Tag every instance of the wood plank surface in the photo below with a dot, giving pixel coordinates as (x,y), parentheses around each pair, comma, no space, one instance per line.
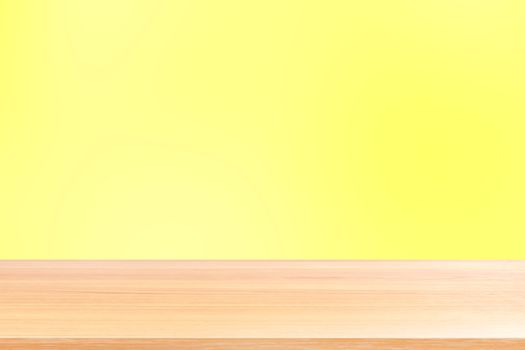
(262,344)
(279,304)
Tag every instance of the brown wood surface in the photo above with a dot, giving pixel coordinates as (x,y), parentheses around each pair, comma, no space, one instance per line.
(276,304)
(262,344)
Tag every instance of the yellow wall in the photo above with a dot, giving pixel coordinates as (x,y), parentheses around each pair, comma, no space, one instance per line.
(334,129)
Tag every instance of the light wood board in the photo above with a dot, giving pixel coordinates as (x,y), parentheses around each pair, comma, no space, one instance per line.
(275,304)
(262,344)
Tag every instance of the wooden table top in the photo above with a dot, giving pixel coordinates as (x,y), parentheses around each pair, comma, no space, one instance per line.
(328,304)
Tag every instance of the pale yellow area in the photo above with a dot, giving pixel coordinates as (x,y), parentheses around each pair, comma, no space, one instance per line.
(291,129)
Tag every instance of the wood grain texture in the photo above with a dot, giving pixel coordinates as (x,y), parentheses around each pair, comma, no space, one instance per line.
(286,304)
(262,344)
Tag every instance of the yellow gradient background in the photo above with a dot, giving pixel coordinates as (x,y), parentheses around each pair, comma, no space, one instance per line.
(276,129)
